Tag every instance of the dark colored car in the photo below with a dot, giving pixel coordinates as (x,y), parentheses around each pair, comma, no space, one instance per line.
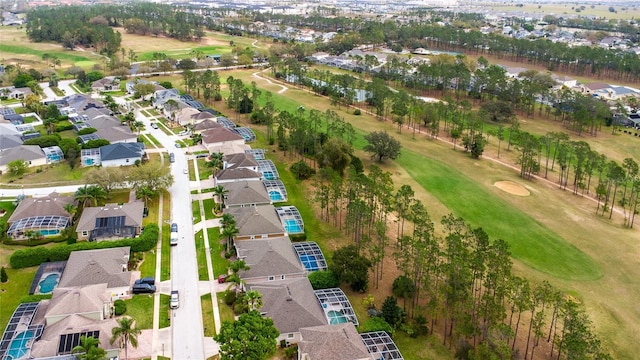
(172,158)
(174,227)
(146,280)
(142,288)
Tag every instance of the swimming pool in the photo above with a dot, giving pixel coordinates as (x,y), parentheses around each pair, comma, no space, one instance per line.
(275,195)
(309,262)
(336,317)
(18,347)
(292,226)
(49,283)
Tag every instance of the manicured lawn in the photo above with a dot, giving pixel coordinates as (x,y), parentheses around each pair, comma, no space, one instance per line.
(531,242)
(204,171)
(62,174)
(195,210)
(13,290)
(207,316)
(220,264)
(148,266)
(226,313)
(165,272)
(201,254)
(119,197)
(140,308)
(165,319)
(208,208)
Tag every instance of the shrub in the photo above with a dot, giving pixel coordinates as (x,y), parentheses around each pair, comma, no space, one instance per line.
(375,324)
(229,297)
(86,131)
(3,275)
(34,298)
(63,127)
(357,112)
(323,280)
(37,255)
(301,170)
(291,352)
(119,307)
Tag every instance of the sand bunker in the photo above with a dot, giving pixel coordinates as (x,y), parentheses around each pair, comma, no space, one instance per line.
(512,188)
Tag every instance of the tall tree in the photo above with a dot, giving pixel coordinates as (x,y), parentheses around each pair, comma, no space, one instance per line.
(126,333)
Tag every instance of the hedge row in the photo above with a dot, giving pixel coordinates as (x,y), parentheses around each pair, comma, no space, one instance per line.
(36,256)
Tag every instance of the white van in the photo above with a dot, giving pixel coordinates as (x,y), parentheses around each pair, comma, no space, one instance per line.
(174,238)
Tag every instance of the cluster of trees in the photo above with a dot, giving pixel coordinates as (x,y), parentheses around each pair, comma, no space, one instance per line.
(459,281)
(147,180)
(72,26)
(241,98)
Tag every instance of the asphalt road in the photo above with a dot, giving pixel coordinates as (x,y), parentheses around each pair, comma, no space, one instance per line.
(187,320)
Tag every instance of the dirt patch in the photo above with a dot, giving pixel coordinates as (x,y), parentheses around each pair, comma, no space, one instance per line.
(512,188)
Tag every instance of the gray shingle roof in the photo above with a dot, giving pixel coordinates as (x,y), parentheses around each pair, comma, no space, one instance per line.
(217,135)
(121,151)
(240,160)
(256,220)
(246,192)
(52,205)
(102,266)
(333,342)
(131,211)
(21,152)
(268,257)
(237,174)
(291,304)
(206,124)
(77,300)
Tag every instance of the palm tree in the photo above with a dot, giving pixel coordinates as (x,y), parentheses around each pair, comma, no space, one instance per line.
(71,208)
(82,195)
(219,192)
(89,349)
(145,193)
(253,300)
(234,278)
(230,231)
(126,333)
(97,194)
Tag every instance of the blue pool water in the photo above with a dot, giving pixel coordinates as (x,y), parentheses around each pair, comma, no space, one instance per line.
(310,263)
(275,195)
(18,347)
(269,175)
(49,283)
(49,232)
(292,227)
(336,317)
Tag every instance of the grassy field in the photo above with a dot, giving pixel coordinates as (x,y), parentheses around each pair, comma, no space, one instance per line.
(207,316)
(219,263)
(165,271)
(138,308)
(13,290)
(201,254)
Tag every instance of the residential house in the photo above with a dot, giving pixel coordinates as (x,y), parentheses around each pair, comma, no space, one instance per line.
(46,215)
(13,92)
(100,266)
(71,313)
(31,154)
(223,140)
(235,174)
(172,107)
(205,125)
(121,154)
(130,85)
(240,160)
(108,83)
(110,222)
(191,116)
(269,260)
(110,128)
(332,342)
(256,222)
(245,193)
(292,305)
(565,81)
(83,102)
(10,137)
(592,88)
(161,96)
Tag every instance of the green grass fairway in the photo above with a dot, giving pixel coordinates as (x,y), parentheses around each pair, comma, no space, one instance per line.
(30,51)
(531,242)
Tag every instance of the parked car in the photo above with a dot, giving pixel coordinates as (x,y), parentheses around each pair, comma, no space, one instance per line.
(142,288)
(174,303)
(174,227)
(222,279)
(154,125)
(185,171)
(172,158)
(146,280)
(178,145)
(173,239)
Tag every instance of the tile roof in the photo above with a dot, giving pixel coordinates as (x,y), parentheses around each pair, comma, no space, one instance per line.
(131,211)
(333,342)
(291,304)
(246,192)
(268,257)
(256,220)
(108,266)
(52,204)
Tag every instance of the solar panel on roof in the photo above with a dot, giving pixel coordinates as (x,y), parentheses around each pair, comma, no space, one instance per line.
(110,222)
(7,111)
(70,341)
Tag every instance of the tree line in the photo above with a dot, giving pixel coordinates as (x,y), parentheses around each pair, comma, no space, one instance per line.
(458,282)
